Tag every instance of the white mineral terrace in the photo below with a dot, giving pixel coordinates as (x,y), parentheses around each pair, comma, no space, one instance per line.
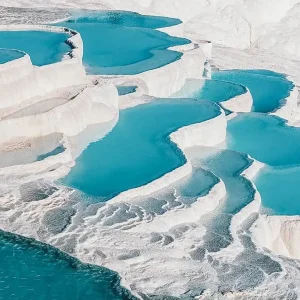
(59,102)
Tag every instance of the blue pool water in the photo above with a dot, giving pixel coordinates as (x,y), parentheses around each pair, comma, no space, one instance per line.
(266,138)
(279,189)
(113,48)
(7,55)
(125,90)
(219,91)
(138,149)
(43,47)
(212,90)
(31,270)
(126,19)
(268,89)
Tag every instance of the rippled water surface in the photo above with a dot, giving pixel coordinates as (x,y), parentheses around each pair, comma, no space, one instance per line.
(31,270)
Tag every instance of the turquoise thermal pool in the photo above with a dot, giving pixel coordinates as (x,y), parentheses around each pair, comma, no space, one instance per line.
(268,89)
(43,47)
(117,43)
(147,153)
(7,55)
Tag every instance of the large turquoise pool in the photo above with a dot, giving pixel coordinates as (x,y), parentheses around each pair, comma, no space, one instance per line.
(138,150)
(31,270)
(118,43)
(43,47)
(268,88)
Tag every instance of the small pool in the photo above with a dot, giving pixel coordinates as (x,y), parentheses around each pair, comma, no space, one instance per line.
(35,271)
(268,88)
(138,150)
(125,90)
(59,149)
(125,44)
(43,47)
(266,138)
(7,55)
(279,189)
(212,90)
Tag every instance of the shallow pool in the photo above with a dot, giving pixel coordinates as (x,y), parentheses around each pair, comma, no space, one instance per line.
(268,88)
(43,47)
(228,165)
(266,138)
(125,18)
(279,189)
(125,90)
(7,55)
(117,43)
(138,150)
(35,271)
(212,90)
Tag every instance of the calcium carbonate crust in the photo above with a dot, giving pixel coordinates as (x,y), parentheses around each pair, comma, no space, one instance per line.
(99,103)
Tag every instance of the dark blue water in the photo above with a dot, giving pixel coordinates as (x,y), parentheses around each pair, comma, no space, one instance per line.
(269,140)
(268,88)
(138,150)
(33,271)
(43,47)
(117,43)
(7,55)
